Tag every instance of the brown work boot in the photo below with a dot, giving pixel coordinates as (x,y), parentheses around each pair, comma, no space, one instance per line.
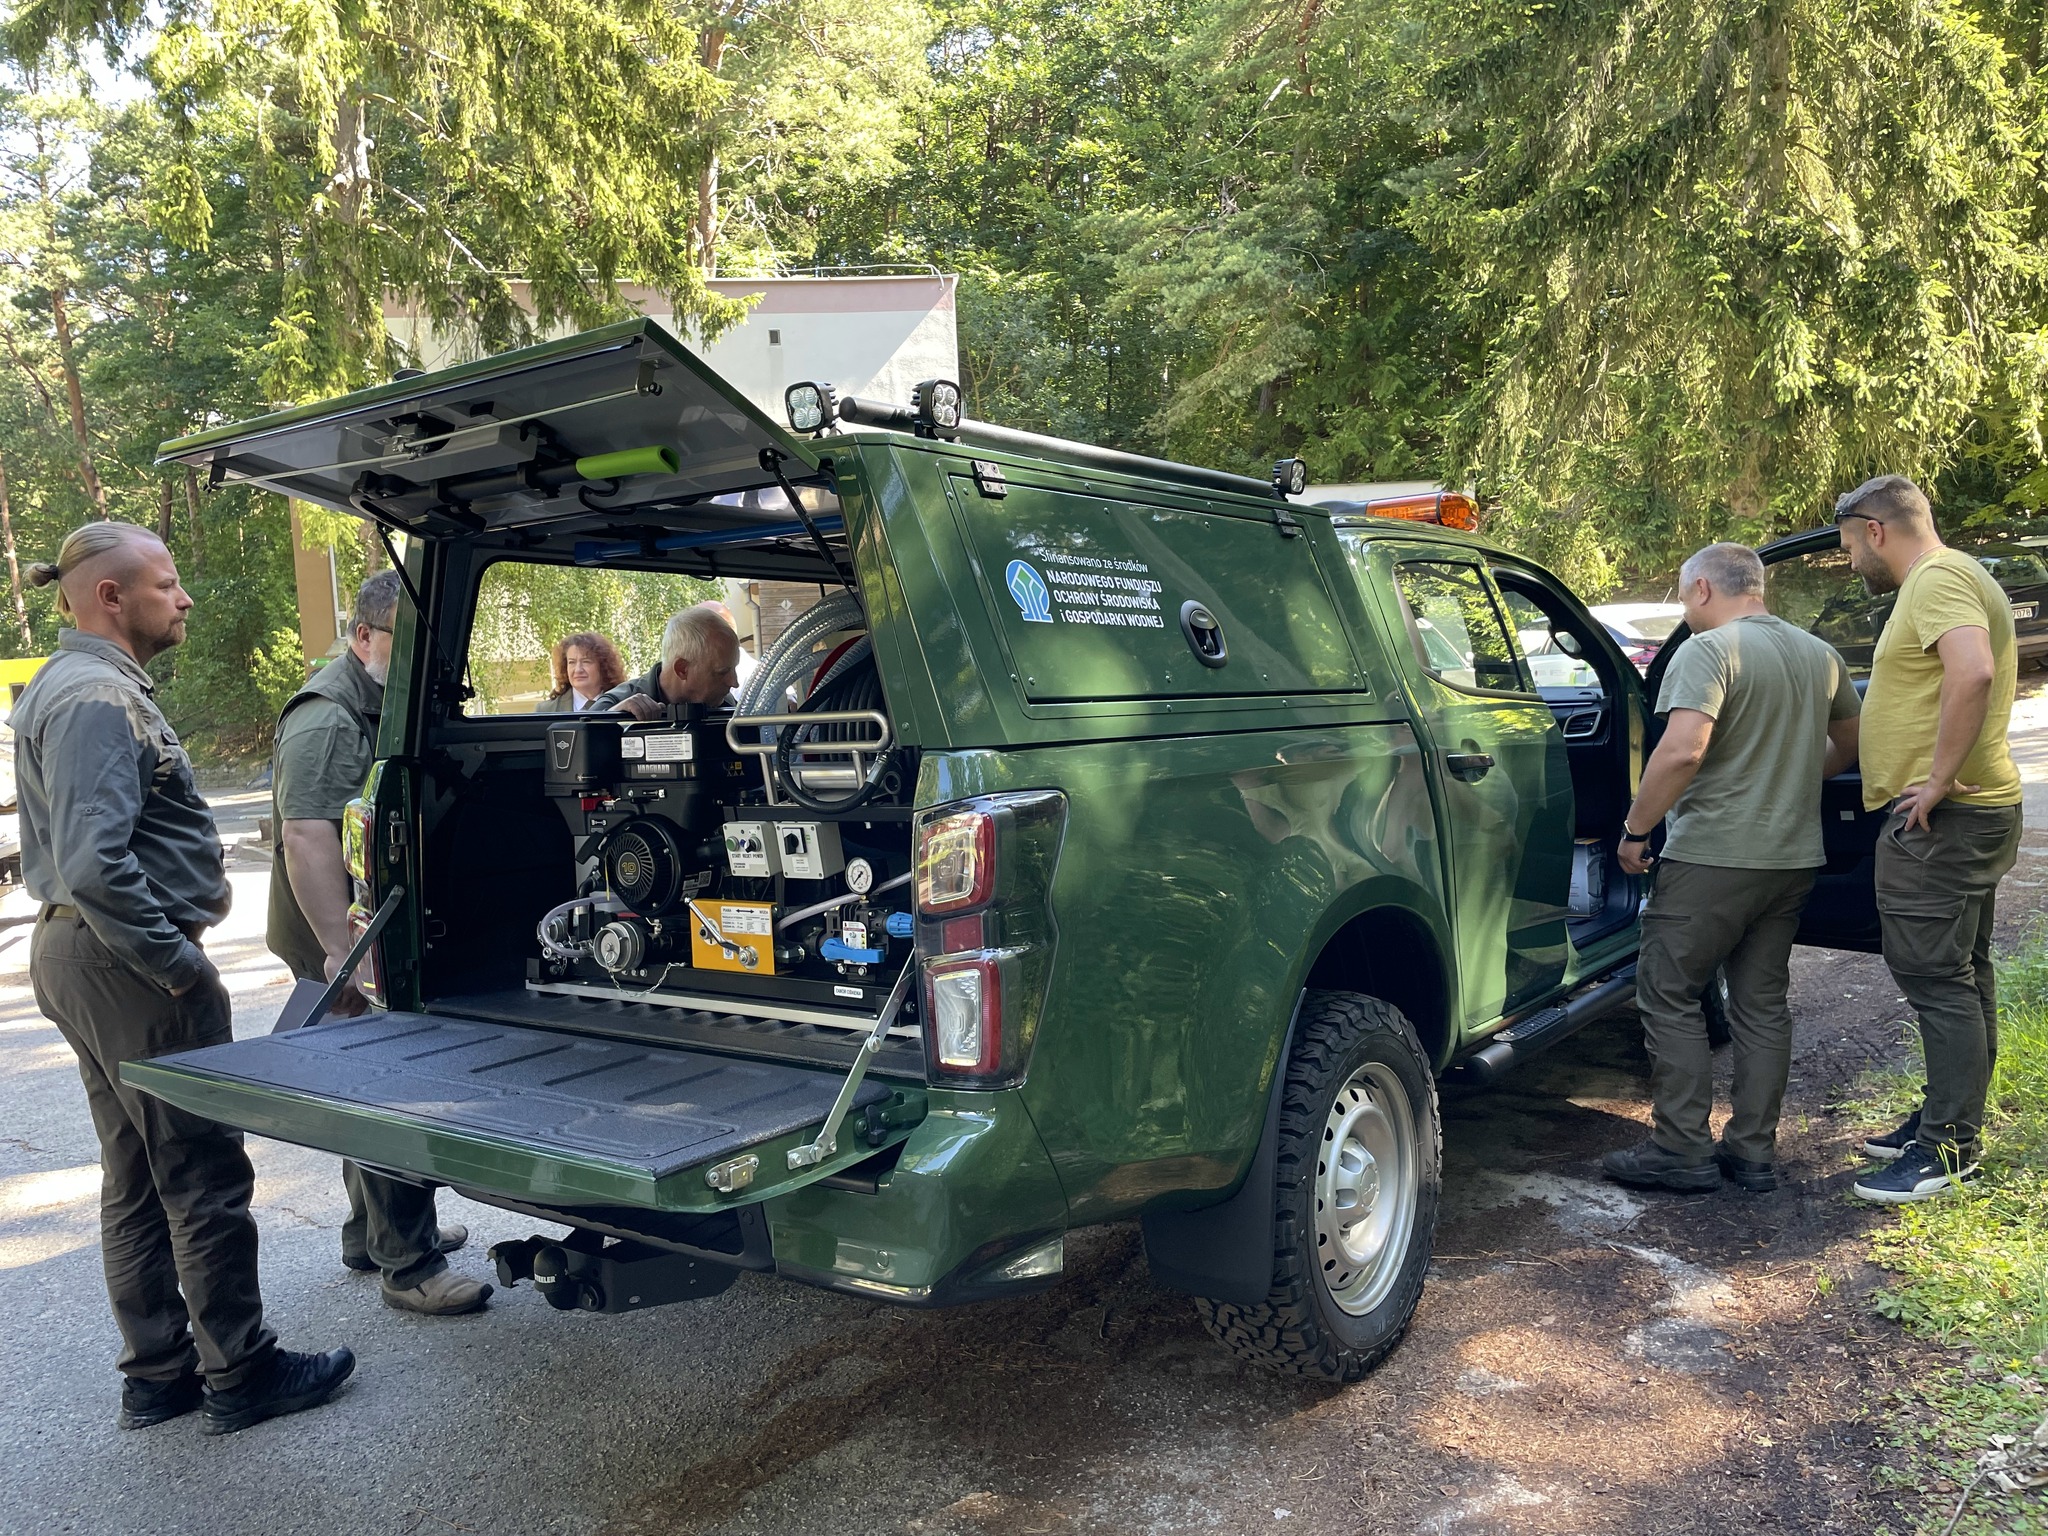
(446,1294)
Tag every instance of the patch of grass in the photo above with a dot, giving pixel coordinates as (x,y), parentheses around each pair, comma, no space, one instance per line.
(1958,1413)
(1972,1272)
(1973,1268)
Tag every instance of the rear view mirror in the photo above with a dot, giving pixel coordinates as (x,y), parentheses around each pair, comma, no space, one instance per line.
(1567,642)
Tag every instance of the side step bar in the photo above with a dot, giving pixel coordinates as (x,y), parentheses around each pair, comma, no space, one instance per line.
(1539,1031)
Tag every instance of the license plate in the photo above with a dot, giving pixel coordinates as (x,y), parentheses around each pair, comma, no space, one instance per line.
(2024,610)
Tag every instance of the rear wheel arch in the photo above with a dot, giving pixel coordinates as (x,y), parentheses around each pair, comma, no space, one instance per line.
(1387,952)
(1391,953)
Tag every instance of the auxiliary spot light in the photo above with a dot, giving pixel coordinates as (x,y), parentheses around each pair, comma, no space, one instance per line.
(937,407)
(1290,477)
(811,406)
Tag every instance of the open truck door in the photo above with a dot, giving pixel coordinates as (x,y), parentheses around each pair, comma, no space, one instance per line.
(1811,585)
(619,1116)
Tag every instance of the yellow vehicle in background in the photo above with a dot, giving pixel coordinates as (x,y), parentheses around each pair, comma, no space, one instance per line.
(14,675)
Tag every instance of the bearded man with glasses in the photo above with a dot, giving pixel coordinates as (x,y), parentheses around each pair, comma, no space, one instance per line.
(1934,750)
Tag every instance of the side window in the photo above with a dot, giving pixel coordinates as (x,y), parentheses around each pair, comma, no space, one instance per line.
(1459,635)
(1820,594)
(1551,664)
(536,622)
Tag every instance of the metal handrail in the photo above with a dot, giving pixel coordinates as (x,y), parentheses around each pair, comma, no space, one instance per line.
(816,775)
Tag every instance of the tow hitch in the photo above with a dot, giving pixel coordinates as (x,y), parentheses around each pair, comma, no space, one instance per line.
(587,1272)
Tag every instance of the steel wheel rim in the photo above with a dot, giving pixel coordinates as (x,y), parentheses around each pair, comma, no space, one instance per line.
(1366,1188)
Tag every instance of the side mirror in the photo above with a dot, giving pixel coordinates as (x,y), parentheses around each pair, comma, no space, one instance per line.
(1568,642)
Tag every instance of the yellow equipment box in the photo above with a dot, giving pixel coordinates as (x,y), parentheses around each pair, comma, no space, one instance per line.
(750,925)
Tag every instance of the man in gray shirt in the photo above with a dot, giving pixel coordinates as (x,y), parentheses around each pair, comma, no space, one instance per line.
(1758,712)
(121,851)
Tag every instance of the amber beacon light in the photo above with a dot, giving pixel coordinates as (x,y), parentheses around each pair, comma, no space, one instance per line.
(1447,508)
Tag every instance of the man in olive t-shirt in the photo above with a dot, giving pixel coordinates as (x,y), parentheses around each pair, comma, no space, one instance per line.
(1758,712)
(1934,750)
(325,743)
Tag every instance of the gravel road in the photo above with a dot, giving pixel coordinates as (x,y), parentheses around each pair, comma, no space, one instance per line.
(1584,1360)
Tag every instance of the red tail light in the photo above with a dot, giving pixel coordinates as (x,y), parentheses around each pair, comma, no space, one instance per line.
(985,932)
(956,862)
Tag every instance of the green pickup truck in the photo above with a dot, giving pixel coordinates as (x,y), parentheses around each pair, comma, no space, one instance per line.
(1116,839)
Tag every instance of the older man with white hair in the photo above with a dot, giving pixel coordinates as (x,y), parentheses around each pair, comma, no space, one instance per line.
(699,666)
(1757,713)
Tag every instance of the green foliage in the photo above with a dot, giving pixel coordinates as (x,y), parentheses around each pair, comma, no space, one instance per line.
(1730,259)
(1971,1271)
(523,609)
(1643,276)
(817,100)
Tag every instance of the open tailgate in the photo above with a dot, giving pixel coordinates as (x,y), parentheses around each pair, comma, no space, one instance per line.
(536,1114)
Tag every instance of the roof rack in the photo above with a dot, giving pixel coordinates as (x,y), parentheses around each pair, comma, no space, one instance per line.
(982,434)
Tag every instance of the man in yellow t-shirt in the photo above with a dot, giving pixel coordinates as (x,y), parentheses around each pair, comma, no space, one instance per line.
(1934,750)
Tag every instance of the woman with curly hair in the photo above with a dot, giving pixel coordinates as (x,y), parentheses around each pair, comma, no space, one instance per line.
(583,665)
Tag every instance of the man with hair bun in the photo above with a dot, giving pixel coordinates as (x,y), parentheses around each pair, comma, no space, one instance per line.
(326,740)
(1935,752)
(122,853)
(1757,713)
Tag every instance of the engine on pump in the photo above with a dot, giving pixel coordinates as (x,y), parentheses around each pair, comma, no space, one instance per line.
(756,861)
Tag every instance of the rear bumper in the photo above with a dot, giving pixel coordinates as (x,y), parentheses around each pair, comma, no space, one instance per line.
(972,1195)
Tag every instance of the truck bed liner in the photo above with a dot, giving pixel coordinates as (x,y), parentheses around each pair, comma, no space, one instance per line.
(547,1111)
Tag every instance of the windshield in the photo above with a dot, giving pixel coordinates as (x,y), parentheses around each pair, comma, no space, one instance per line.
(2015,570)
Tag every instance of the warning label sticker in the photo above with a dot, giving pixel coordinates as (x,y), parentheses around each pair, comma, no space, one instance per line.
(739,921)
(669,747)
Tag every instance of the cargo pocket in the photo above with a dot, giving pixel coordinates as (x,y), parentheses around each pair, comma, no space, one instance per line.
(1924,932)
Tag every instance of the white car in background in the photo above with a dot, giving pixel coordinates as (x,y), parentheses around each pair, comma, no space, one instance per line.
(1640,629)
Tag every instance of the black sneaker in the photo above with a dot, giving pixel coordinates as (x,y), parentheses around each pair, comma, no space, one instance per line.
(295,1382)
(1916,1174)
(144,1403)
(1758,1178)
(1649,1166)
(1888,1146)
(447,1240)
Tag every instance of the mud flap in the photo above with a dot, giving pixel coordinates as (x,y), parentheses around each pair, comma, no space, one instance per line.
(1225,1251)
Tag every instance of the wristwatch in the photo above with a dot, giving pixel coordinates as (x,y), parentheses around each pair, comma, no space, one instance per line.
(1634,837)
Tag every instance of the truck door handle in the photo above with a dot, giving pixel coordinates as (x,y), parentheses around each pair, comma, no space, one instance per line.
(1469,766)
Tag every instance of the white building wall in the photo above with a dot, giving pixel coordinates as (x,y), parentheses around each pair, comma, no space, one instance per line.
(871,336)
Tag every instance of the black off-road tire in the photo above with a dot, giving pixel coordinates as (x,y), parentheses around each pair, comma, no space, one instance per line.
(1299,1327)
(1714,1005)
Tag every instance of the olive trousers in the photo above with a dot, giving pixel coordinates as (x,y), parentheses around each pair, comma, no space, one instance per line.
(391,1223)
(176,1237)
(1937,896)
(1703,918)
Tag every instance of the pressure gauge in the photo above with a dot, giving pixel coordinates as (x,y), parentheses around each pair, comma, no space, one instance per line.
(860,876)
